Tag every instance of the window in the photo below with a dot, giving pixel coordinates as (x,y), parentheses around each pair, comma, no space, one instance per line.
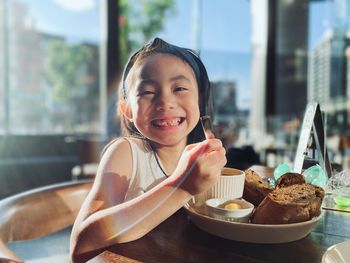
(50,90)
(329,46)
(308,63)
(49,67)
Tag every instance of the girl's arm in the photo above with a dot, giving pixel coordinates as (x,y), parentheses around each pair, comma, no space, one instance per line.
(104,220)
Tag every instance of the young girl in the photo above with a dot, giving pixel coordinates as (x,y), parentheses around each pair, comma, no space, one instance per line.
(145,177)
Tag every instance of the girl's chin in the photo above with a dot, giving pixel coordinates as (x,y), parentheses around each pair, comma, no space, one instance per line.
(168,135)
(169,140)
(168,131)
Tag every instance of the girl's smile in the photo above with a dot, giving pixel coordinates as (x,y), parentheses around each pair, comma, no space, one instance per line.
(168,123)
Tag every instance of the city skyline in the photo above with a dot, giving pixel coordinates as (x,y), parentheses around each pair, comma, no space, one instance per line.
(77,19)
(224,56)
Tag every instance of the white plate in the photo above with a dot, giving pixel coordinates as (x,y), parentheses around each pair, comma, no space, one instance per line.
(247,232)
(339,253)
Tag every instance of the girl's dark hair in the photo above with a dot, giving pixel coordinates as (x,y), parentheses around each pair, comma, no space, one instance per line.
(157,46)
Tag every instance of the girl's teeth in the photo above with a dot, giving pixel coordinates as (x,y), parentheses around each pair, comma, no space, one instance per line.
(168,123)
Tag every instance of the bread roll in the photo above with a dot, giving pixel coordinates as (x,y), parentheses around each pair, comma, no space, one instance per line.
(289,204)
(255,188)
(289,179)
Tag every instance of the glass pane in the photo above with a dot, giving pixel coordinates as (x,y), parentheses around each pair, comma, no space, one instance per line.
(53,69)
(2,67)
(220,31)
(329,71)
(328,61)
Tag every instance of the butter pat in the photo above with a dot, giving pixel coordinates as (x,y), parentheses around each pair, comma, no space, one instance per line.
(232,210)
(232,206)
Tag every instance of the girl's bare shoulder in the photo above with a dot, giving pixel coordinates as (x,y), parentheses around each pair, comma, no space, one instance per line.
(114,144)
(114,172)
(116,156)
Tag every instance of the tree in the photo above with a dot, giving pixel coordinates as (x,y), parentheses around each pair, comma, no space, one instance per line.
(139,21)
(62,65)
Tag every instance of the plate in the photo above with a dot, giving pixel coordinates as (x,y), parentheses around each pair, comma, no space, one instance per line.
(247,232)
(339,253)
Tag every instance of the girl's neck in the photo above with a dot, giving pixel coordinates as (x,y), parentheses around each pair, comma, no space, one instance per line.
(169,155)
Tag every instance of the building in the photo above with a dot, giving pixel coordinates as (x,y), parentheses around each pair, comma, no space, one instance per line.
(328,76)
(327,69)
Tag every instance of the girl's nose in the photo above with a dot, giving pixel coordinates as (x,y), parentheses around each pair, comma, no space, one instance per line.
(165,102)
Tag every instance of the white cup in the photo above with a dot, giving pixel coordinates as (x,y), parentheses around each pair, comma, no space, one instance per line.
(229,185)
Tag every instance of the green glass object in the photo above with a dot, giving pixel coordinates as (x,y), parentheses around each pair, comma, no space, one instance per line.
(342,201)
(316,176)
(281,169)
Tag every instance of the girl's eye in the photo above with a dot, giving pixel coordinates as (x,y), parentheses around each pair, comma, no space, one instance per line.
(178,89)
(146,92)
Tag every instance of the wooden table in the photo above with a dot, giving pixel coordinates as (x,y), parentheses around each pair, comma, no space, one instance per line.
(178,239)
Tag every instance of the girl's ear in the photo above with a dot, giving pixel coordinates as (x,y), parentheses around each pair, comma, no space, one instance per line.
(125,109)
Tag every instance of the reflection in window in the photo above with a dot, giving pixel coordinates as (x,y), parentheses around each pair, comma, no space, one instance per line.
(329,43)
(51,67)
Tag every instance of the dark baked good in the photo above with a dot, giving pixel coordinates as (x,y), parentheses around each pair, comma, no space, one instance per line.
(290,179)
(255,188)
(289,204)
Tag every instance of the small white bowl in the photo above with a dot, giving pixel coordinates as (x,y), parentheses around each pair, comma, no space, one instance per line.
(216,208)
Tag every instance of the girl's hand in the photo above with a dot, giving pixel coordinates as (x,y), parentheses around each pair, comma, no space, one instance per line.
(200,165)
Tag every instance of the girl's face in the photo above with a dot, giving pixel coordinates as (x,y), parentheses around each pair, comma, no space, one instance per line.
(163,102)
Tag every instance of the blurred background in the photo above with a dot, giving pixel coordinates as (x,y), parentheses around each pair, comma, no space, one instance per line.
(61,62)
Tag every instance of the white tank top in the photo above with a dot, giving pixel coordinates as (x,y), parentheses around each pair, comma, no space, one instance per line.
(146,172)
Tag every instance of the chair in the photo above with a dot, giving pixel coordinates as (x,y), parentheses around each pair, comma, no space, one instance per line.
(40,212)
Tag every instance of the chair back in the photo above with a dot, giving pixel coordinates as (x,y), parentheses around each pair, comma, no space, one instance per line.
(40,212)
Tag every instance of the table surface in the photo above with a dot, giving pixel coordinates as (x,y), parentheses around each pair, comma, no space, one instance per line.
(178,239)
